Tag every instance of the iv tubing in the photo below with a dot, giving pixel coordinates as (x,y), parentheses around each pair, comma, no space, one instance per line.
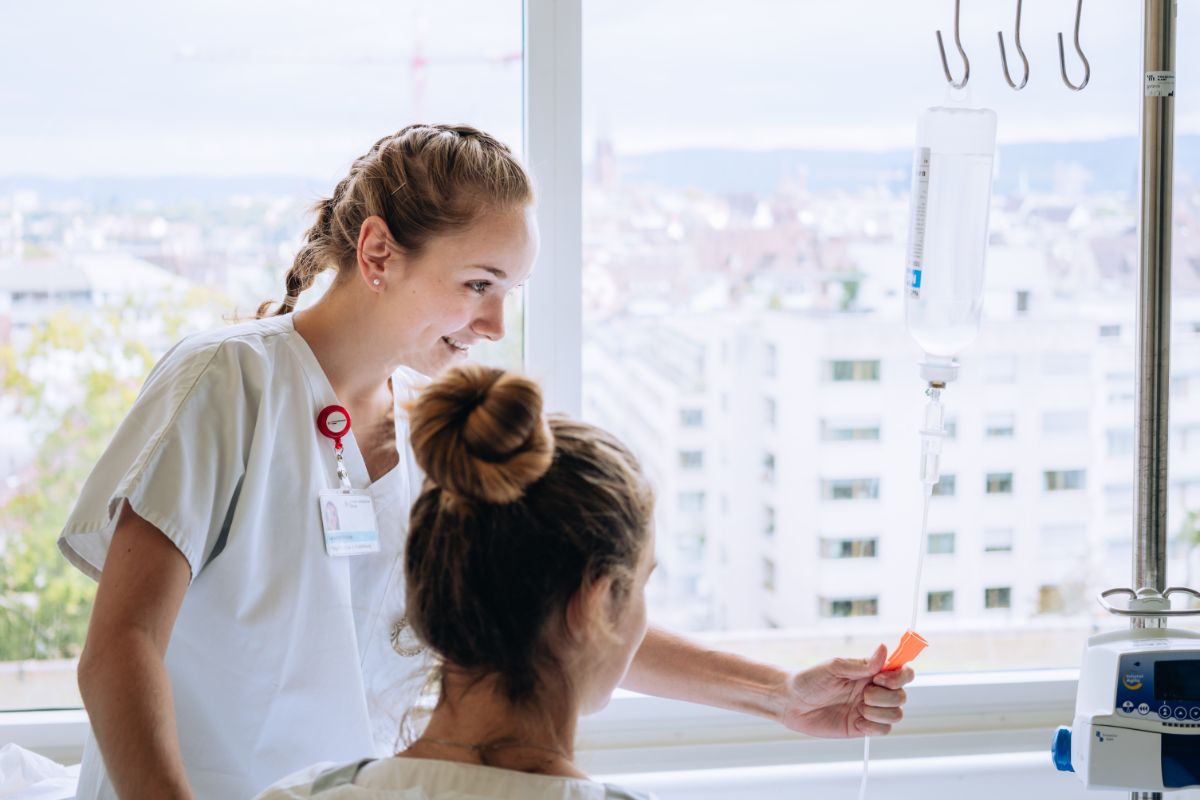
(862,787)
(931,445)
(916,603)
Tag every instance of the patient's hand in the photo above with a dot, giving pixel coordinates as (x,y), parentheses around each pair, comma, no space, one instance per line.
(846,697)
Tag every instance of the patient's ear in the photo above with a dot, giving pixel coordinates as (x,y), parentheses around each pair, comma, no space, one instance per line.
(589,612)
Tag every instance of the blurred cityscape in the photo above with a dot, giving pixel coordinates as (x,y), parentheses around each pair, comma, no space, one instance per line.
(744,332)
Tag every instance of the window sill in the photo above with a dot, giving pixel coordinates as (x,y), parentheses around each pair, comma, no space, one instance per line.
(946,715)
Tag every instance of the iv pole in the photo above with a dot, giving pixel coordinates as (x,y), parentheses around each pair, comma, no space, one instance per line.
(1154,305)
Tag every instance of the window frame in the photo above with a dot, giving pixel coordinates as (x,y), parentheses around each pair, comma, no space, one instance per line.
(947,712)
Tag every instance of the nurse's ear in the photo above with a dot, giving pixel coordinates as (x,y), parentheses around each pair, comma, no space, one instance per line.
(375,247)
(589,615)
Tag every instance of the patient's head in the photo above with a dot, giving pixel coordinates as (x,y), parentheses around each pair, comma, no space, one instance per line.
(529,546)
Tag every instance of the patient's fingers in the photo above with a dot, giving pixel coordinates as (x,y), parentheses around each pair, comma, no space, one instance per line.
(887,698)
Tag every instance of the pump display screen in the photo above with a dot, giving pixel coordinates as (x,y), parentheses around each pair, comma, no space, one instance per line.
(1177,680)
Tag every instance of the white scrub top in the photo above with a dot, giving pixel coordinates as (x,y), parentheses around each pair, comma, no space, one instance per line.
(428,779)
(281,654)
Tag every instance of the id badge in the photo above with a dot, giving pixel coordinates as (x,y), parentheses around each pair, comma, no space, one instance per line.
(348,519)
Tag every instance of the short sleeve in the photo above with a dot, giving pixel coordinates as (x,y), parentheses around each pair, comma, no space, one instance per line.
(178,458)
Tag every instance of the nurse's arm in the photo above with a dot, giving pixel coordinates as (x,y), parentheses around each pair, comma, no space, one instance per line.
(667,665)
(838,698)
(122,676)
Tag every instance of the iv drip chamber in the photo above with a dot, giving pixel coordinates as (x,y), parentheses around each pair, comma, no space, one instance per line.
(948,228)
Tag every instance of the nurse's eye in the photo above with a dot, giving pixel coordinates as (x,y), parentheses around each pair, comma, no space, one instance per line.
(478,287)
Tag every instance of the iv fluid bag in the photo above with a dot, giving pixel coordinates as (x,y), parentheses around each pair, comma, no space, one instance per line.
(948,227)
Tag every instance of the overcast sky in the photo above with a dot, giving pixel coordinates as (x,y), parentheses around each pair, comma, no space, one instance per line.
(225,87)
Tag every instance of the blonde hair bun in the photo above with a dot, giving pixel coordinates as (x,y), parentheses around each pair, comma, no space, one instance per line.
(479,432)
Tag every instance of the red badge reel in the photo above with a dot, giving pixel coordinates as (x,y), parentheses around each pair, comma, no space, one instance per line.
(334,422)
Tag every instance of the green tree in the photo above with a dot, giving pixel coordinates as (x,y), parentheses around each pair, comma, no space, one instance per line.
(74,380)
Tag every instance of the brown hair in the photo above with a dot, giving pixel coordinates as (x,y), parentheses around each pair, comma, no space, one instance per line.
(518,512)
(424,181)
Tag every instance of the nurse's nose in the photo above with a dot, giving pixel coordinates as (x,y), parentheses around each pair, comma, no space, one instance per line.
(490,322)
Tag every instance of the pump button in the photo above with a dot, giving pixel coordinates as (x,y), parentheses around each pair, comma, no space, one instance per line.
(1195,712)
(1164,711)
(1180,712)
(1143,708)
(1060,749)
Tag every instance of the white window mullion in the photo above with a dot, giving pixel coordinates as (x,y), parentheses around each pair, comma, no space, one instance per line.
(553,88)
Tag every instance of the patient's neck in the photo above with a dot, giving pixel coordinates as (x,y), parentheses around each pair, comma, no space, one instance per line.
(475,723)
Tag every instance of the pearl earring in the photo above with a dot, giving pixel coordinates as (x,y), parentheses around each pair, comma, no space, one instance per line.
(376,281)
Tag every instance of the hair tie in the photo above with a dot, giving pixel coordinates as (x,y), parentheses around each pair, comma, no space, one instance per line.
(290,299)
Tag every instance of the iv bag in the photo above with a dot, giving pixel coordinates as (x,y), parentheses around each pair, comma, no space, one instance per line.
(948,227)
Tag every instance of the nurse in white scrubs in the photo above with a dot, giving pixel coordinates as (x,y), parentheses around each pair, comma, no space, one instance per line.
(236,636)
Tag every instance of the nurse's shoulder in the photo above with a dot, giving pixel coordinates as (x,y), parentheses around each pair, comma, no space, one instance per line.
(248,349)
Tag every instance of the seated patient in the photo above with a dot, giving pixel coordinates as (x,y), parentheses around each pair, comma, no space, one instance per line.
(526,565)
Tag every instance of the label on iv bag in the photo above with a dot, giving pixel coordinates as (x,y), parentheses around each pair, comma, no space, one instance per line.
(1160,84)
(916,233)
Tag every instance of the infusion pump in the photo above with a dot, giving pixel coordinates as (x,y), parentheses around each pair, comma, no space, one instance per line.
(1137,711)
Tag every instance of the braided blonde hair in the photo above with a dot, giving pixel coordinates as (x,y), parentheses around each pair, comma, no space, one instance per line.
(424,181)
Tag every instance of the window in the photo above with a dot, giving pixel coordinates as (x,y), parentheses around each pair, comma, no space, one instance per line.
(691,417)
(945,486)
(997,597)
(1120,441)
(841,371)
(941,544)
(769,412)
(1051,600)
(850,607)
(850,489)
(1066,365)
(997,540)
(1000,426)
(768,575)
(691,459)
(1064,423)
(770,360)
(769,520)
(998,483)
(1063,480)
(1110,331)
(849,431)
(735,236)
(936,602)
(173,202)
(691,502)
(768,471)
(864,547)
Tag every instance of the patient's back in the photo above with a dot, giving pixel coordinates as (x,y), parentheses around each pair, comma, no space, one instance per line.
(403,778)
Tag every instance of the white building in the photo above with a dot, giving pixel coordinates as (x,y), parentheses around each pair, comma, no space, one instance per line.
(785,451)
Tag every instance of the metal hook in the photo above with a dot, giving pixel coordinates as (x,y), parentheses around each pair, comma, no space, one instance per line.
(961,52)
(1020,52)
(1062,58)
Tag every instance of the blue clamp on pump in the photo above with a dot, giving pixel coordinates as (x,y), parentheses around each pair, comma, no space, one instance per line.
(1060,749)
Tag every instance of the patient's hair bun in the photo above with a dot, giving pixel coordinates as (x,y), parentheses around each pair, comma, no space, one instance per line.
(479,433)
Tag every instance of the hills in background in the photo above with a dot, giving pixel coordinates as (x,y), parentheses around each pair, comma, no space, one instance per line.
(1103,166)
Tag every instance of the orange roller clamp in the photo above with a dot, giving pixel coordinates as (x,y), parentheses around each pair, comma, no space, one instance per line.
(911,645)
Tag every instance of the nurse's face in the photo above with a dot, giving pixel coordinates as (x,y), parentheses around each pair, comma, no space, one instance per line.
(613,650)
(452,295)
